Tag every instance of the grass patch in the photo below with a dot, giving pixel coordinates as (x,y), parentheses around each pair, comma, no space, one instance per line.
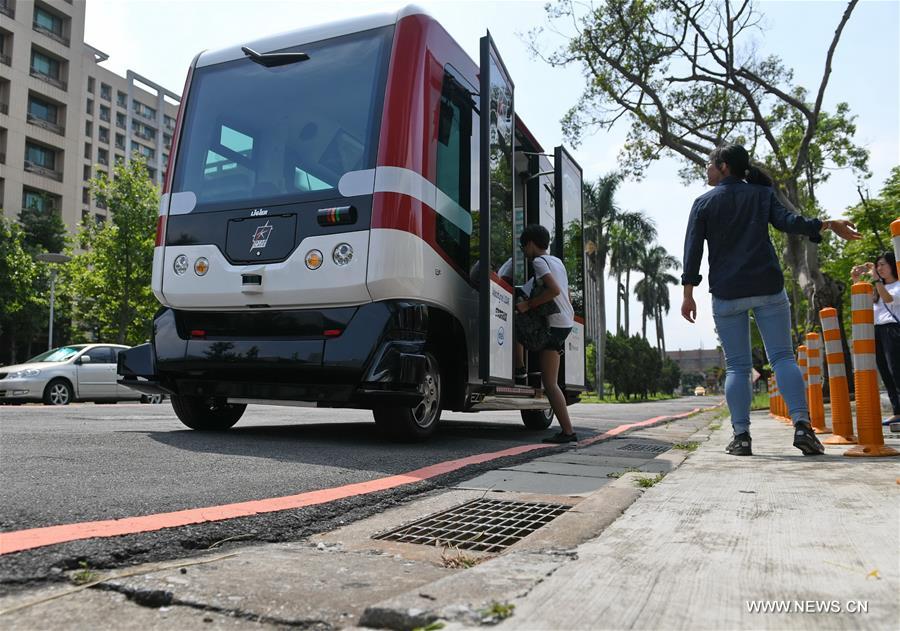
(645,482)
(497,612)
(619,474)
(760,401)
(434,626)
(715,426)
(691,445)
(84,575)
(459,560)
(591,397)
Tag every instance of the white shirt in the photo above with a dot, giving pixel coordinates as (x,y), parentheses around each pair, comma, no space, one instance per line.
(547,264)
(883,311)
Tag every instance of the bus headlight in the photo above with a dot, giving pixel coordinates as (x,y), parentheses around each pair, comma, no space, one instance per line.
(181,264)
(314,259)
(342,254)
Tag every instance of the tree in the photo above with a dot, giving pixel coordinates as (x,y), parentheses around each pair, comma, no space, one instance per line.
(43,228)
(109,284)
(686,78)
(630,235)
(600,213)
(653,289)
(19,276)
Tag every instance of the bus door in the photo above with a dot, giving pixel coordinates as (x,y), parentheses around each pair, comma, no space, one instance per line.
(569,248)
(497,252)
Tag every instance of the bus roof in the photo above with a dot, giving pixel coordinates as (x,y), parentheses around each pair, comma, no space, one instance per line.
(301,36)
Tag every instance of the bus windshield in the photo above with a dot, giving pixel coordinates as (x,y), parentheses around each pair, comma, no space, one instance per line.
(256,135)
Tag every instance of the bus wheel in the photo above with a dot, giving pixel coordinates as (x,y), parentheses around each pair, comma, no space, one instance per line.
(419,422)
(537,419)
(206,413)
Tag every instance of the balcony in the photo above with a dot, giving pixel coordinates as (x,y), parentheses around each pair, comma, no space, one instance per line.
(120,146)
(144,136)
(49,125)
(104,116)
(145,115)
(2,158)
(6,60)
(120,124)
(103,161)
(31,167)
(54,36)
(4,108)
(37,74)
(7,10)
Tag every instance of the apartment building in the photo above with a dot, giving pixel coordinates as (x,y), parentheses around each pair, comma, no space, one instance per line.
(63,116)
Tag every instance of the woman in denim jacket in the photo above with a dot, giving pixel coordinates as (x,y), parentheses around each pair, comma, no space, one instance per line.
(744,276)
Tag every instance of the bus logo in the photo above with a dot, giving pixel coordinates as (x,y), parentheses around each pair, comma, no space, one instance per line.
(261,236)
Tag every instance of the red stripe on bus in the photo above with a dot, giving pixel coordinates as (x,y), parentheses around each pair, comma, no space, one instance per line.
(20,540)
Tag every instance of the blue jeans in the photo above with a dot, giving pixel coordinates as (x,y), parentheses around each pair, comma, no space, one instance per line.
(773,318)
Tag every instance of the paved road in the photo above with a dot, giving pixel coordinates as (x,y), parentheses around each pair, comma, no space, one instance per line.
(90,462)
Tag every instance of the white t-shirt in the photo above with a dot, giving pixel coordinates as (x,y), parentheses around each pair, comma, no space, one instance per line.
(883,311)
(547,264)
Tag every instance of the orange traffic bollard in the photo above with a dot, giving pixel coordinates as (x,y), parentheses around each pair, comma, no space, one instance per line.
(895,238)
(841,416)
(780,408)
(803,363)
(868,401)
(814,384)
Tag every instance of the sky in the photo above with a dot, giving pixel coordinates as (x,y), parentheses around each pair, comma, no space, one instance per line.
(159,38)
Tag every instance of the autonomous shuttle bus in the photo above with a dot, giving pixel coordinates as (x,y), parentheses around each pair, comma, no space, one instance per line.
(339,228)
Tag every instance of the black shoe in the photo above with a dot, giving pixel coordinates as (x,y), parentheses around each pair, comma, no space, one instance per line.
(806,441)
(560,438)
(740,445)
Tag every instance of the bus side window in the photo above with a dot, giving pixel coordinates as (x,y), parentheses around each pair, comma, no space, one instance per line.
(454,169)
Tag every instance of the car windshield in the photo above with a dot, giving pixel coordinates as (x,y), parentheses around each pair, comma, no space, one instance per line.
(255,134)
(60,354)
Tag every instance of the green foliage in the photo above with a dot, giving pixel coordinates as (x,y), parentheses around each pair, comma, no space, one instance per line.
(633,368)
(44,229)
(670,376)
(685,77)
(873,218)
(20,277)
(109,283)
(645,483)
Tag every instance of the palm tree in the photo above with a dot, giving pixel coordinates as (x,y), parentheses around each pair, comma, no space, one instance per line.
(600,213)
(631,234)
(653,289)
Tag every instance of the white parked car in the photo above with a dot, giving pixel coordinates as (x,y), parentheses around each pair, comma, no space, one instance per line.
(79,372)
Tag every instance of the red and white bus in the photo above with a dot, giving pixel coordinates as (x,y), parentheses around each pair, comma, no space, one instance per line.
(331,196)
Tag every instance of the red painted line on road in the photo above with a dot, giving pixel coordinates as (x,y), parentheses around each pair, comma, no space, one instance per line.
(19,540)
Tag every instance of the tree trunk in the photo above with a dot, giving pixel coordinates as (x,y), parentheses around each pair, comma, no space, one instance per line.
(600,340)
(618,302)
(626,300)
(644,323)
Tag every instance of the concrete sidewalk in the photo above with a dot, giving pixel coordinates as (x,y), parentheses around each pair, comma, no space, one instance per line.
(722,533)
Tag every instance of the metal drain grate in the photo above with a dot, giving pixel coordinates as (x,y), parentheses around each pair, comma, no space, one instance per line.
(643,447)
(482,525)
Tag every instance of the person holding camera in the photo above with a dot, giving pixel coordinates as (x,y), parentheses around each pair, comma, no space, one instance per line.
(883,276)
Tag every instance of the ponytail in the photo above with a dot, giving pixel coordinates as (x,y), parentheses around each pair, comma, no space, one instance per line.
(738,161)
(757,175)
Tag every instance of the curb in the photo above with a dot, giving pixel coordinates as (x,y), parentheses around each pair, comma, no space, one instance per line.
(479,594)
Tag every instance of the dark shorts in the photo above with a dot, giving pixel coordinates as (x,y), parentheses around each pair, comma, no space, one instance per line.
(557,341)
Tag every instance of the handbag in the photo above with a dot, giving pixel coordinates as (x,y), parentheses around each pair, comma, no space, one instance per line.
(532,327)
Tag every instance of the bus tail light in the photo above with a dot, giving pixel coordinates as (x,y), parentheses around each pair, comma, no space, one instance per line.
(160,230)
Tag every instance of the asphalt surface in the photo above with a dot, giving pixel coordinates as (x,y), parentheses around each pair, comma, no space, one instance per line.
(89,462)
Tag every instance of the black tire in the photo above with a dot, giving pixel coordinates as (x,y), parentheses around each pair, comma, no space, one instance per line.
(414,424)
(153,399)
(537,419)
(58,392)
(207,413)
